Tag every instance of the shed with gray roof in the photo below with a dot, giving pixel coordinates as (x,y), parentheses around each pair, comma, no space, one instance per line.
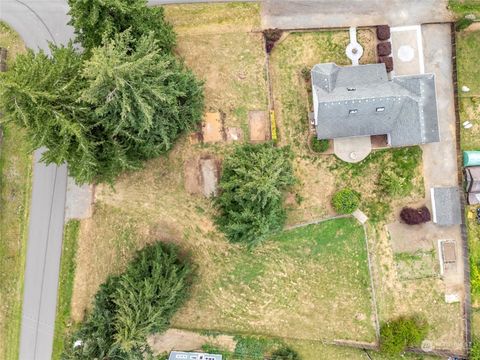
(446,206)
(361,101)
(184,355)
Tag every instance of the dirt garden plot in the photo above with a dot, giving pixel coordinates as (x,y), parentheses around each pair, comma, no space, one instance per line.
(258,125)
(202,174)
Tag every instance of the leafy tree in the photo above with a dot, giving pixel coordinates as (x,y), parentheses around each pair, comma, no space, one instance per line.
(96,20)
(403,332)
(129,307)
(107,114)
(251,192)
(346,201)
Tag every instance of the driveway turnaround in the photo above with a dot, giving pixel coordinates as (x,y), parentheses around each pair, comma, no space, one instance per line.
(302,14)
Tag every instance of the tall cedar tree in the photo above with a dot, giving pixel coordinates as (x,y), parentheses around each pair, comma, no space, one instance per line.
(251,192)
(130,306)
(41,94)
(107,114)
(95,20)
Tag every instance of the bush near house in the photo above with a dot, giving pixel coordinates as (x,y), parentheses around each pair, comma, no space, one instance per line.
(403,332)
(346,201)
(250,203)
(285,353)
(130,306)
(412,216)
(319,146)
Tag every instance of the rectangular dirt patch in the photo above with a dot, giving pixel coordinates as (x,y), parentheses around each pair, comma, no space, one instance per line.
(212,128)
(258,125)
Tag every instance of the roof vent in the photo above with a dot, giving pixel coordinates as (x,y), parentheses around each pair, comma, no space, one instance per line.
(353,111)
(351,89)
(380,109)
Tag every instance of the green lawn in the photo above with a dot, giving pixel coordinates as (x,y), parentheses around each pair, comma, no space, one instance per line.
(15,182)
(307,283)
(63,322)
(464,7)
(468,52)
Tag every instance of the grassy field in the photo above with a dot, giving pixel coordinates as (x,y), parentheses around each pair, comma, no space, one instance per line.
(63,320)
(221,43)
(468,51)
(15,182)
(237,290)
(464,7)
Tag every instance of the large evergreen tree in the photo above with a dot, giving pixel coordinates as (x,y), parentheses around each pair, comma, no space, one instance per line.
(127,103)
(251,192)
(132,305)
(95,20)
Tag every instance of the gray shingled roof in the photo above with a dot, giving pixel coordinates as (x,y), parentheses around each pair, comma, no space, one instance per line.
(446,206)
(409,102)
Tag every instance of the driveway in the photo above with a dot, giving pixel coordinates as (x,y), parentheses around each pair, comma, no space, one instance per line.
(301,14)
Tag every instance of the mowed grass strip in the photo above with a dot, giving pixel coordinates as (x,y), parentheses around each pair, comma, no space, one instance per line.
(15,186)
(63,322)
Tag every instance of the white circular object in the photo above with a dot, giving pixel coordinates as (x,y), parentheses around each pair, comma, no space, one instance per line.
(466,123)
(354,52)
(353,155)
(468,126)
(426,345)
(406,53)
(465,88)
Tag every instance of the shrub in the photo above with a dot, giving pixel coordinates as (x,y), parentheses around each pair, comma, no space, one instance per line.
(285,353)
(306,74)
(413,216)
(383,32)
(384,48)
(130,306)
(462,24)
(319,146)
(403,332)
(346,201)
(475,350)
(397,175)
(251,188)
(271,37)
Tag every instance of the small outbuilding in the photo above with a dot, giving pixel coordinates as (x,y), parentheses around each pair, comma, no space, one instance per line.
(472,179)
(473,198)
(446,206)
(184,355)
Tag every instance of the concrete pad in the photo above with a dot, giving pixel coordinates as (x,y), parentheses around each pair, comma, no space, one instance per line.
(234,134)
(360,216)
(210,176)
(259,126)
(79,200)
(352,149)
(212,128)
(407,50)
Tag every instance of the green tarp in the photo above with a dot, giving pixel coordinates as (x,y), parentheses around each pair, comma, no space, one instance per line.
(471,158)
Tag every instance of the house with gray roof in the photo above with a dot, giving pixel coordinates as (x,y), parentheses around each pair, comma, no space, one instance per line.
(360,100)
(446,206)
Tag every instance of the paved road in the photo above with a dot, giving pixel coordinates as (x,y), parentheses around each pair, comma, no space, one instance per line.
(40,22)
(297,14)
